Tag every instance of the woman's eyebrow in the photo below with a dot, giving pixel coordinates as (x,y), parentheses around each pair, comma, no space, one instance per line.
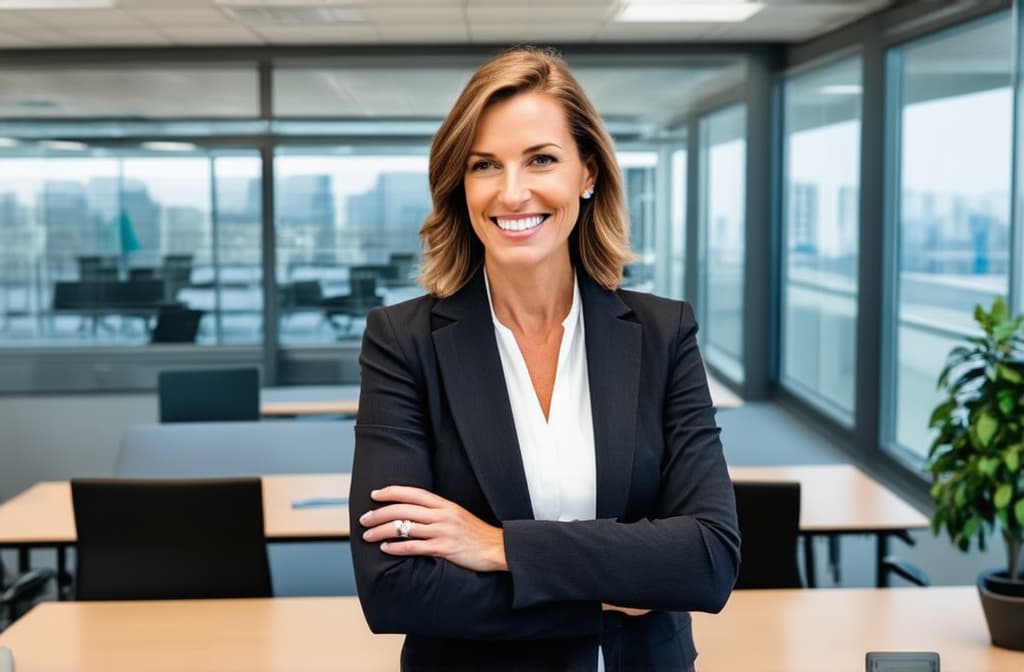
(534,148)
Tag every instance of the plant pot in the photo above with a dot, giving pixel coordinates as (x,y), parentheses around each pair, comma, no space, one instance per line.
(1004,613)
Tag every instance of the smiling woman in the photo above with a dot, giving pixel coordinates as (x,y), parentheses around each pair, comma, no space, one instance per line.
(538,474)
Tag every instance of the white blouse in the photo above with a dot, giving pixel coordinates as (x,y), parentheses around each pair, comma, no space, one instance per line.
(558,452)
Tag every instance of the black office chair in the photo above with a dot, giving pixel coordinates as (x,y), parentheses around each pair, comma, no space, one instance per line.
(170,539)
(357,303)
(176,324)
(20,593)
(769,520)
(209,395)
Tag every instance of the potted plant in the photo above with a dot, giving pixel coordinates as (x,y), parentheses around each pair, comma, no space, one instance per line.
(975,460)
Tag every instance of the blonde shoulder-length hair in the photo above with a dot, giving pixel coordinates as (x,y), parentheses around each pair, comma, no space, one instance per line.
(451,251)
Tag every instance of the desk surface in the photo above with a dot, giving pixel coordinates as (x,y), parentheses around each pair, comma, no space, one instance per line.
(836,498)
(780,630)
(43,514)
(840,498)
(310,400)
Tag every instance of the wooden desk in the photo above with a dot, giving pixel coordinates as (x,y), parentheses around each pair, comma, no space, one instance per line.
(831,629)
(841,499)
(780,630)
(42,516)
(309,400)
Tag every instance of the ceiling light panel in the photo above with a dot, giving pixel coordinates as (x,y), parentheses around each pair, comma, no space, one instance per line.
(654,11)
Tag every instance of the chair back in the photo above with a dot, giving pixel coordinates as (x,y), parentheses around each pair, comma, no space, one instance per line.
(209,395)
(769,521)
(170,539)
(176,324)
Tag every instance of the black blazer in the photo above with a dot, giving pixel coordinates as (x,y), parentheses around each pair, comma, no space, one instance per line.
(434,413)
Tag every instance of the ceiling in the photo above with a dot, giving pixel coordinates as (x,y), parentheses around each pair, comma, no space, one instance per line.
(169,23)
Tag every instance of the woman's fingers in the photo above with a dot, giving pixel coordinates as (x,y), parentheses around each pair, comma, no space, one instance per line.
(384,514)
(408,495)
(392,530)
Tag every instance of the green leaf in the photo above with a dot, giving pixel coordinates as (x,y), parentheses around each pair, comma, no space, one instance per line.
(988,466)
(1003,495)
(1007,401)
(986,428)
(981,317)
(1009,374)
(1018,511)
(960,497)
(942,413)
(1000,312)
(971,526)
(1011,458)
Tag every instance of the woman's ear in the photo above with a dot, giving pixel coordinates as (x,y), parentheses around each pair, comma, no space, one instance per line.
(589,173)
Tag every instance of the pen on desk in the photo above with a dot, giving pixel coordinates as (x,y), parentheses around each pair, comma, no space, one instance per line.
(317,502)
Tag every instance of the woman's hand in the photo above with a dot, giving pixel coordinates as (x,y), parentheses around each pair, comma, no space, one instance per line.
(437,527)
(626,610)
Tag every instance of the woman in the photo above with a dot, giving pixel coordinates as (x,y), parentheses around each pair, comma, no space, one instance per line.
(538,479)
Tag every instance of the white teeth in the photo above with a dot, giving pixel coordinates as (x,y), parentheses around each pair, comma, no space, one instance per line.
(519,224)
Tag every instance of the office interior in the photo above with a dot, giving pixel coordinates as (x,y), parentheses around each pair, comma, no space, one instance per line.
(832,185)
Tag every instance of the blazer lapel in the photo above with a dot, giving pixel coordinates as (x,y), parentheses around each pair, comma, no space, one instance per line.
(467,354)
(613,365)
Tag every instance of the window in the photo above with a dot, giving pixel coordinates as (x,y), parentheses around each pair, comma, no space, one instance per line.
(821,192)
(955,117)
(723,196)
(95,243)
(348,226)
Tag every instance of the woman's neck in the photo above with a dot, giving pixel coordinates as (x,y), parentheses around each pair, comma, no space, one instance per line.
(531,301)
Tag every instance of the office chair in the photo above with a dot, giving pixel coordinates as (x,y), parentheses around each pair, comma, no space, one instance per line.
(19,594)
(209,395)
(357,303)
(176,324)
(769,520)
(6,660)
(170,539)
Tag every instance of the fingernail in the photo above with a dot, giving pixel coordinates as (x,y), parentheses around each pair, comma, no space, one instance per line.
(366,535)
(362,518)
(383,545)
(373,493)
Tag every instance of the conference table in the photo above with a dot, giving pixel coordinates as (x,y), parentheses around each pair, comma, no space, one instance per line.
(758,631)
(840,499)
(296,508)
(837,499)
(343,400)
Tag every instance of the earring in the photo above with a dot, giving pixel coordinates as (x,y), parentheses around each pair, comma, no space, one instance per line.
(588,193)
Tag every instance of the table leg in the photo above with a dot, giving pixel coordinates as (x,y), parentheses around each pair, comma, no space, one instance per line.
(809,561)
(63,578)
(881,550)
(23,560)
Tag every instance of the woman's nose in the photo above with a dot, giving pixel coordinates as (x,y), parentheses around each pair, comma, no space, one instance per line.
(514,190)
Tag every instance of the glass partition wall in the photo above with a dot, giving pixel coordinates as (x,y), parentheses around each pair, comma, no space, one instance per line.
(133,227)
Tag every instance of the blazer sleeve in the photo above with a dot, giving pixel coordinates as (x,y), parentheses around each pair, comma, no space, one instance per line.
(425,595)
(684,556)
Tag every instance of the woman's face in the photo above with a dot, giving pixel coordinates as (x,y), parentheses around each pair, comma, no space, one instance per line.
(523,181)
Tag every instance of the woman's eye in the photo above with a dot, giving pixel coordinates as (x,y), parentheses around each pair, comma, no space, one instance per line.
(481,165)
(543,160)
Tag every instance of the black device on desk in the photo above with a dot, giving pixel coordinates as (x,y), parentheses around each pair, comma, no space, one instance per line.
(902,661)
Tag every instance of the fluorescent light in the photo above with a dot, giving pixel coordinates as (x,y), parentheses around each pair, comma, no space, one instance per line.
(162,146)
(64,145)
(842,90)
(669,11)
(56,4)
(8,142)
